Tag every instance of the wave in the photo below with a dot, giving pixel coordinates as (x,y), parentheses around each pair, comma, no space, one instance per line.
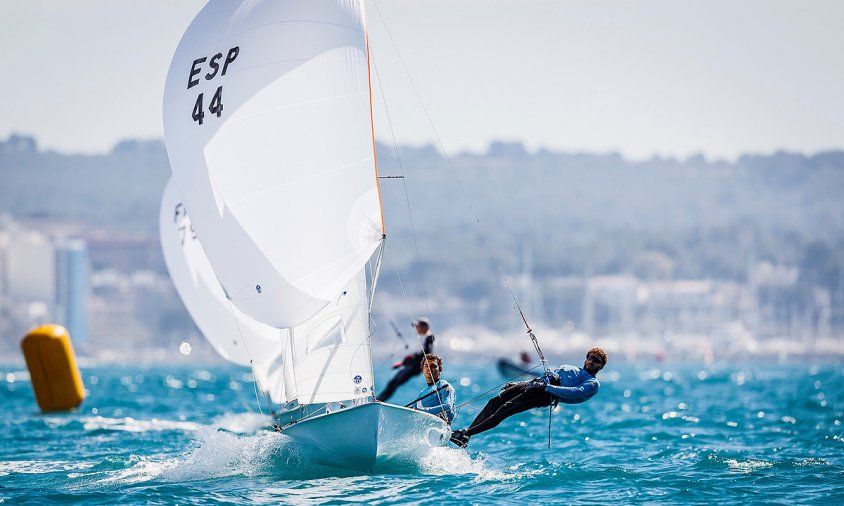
(129,424)
(41,466)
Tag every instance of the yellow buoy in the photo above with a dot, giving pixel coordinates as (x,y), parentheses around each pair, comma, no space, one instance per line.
(52,367)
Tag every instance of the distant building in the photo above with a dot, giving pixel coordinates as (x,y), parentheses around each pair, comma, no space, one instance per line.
(30,268)
(72,287)
(42,281)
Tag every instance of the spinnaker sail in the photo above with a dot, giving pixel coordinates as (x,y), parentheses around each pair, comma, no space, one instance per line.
(268,129)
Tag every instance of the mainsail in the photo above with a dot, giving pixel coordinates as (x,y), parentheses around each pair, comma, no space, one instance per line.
(268,128)
(325,359)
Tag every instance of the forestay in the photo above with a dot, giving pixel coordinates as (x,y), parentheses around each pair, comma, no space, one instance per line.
(268,128)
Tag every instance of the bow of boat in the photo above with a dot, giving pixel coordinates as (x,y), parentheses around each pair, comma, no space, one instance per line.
(370,436)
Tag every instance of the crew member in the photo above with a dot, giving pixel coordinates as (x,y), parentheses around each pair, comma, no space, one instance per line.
(409,366)
(438,397)
(569,384)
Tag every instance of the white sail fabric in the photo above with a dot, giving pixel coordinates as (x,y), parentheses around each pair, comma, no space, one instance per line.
(275,160)
(331,351)
(328,358)
(235,336)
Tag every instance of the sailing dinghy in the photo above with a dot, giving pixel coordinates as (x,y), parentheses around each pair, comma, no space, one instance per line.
(268,126)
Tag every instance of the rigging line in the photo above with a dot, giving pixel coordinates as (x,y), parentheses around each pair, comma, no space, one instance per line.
(311,415)
(404,184)
(255,382)
(399,334)
(462,186)
(403,178)
(404,295)
(372,328)
(240,396)
(483,394)
(412,316)
(371,325)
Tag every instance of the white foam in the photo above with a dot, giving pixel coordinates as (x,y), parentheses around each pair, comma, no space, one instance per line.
(40,466)
(453,461)
(218,453)
(243,423)
(237,445)
(129,424)
(143,469)
(747,466)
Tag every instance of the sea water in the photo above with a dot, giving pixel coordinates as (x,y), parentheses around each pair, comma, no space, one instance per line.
(655,433)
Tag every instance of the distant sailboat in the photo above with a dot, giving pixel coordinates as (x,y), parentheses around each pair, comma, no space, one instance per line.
(514,370)
(268,125)
(511,370)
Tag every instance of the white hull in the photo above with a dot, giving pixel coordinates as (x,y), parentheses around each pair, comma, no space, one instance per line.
(370,436)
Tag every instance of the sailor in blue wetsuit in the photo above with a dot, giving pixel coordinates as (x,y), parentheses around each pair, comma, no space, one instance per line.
(438,397)
(568,384)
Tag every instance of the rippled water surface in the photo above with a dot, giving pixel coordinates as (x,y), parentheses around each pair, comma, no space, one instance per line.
(656,434)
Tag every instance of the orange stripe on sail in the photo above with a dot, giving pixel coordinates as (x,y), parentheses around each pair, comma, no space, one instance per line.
(372,126)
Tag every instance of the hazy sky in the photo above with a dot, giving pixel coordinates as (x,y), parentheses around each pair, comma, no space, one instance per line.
(669,77)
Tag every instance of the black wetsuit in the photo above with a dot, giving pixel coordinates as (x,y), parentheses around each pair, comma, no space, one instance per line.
(513,399)
(411,366)
(569,384)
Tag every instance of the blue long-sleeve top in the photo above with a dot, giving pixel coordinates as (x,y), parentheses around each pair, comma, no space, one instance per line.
(576,385)
(440,403)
